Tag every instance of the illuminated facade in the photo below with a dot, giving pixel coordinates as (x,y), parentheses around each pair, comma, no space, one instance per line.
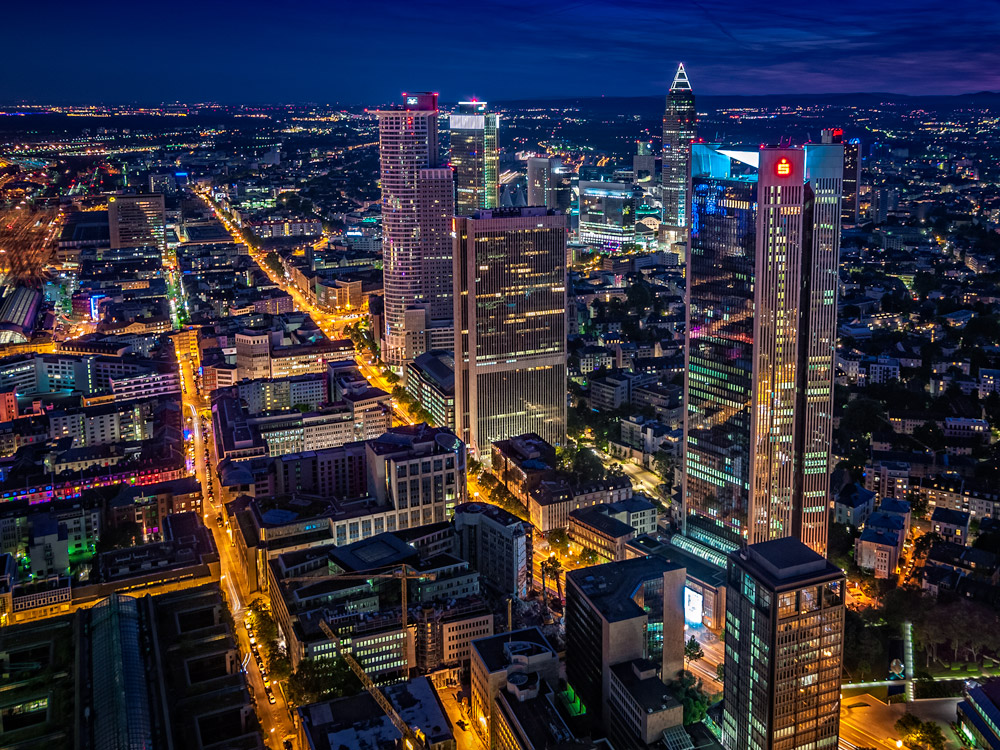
(137,221)
(784,648)
(510,326)
(548,183)
(417,205)
(852,182)
(680,128)
(475,157)
(607,213)
(849,211)
(761,300)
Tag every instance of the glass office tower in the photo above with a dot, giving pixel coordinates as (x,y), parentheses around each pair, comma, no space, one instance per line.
(680,128)
(510,326)
(784,648)
(475,157)
(417,207)
(761,306)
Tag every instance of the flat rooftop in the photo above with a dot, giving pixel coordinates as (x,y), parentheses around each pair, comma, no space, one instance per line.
(610,587)
(493,651)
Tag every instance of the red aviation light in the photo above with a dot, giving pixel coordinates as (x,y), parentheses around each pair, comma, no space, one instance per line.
(783,168)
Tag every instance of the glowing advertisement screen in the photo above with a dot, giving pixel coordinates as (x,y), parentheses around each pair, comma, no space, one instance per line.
(693,602)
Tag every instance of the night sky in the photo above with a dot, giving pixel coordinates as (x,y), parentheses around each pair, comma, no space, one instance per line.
(370,50)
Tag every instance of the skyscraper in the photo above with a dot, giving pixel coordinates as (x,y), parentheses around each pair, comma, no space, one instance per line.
(544,181)
(137,221)
(510,326)
(643,163)
(680,128)
(849,208)
(607,213)
(417,206)
(761,305)
(619,616)
(475,157)
(784,648)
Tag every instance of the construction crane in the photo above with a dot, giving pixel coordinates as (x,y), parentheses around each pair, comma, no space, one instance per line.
(412,738)
(404,573)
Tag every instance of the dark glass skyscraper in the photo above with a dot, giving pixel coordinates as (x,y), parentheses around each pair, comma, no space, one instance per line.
(510,326)
(852,181)
(761,303)
(680,128)
(475,157)
(784,648)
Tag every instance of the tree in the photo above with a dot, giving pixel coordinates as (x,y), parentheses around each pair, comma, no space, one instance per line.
(587,466)
(924,543)
(720,671)
(693,650)
(930,435)
(558,539)
(918,504)
(278,666)
(273,261)
(119,536)
(555,570)
(261,622)
(588,557)
(690,693)
(926,734)
(321,679)
(663,465)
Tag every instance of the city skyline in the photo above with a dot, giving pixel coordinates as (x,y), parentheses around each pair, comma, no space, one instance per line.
(736,48)
(522,423)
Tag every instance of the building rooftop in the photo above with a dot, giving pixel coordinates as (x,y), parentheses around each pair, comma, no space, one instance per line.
(495,651)
(785,562)
(949,516)
(612,586)
(380,551)
(649,692)
(493,512)
(360,724)
(601,523)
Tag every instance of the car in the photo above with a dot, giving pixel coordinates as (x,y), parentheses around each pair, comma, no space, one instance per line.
(270,698)
(267,682)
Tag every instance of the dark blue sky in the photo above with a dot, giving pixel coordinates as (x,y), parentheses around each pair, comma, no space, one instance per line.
(370,50)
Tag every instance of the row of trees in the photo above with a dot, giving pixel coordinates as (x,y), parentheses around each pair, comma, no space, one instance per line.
(414,407)
(314,679)
(265,629)
(362,336)
(497,494)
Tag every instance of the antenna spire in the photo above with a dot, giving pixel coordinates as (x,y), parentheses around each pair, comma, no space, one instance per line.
(681,82)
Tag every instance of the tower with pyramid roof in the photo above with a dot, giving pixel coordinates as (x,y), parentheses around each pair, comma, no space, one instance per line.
(680,128)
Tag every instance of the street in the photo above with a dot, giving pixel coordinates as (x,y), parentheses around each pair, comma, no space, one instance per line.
(275,720)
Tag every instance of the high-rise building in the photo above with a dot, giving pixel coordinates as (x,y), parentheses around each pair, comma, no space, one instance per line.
(607,213)
(544,180)
(784,648)
(417,205)
(761,329)
(849,213)
(643,163)
(680,128)
(137,221)
(475,157)
(510,326)
(624,640)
